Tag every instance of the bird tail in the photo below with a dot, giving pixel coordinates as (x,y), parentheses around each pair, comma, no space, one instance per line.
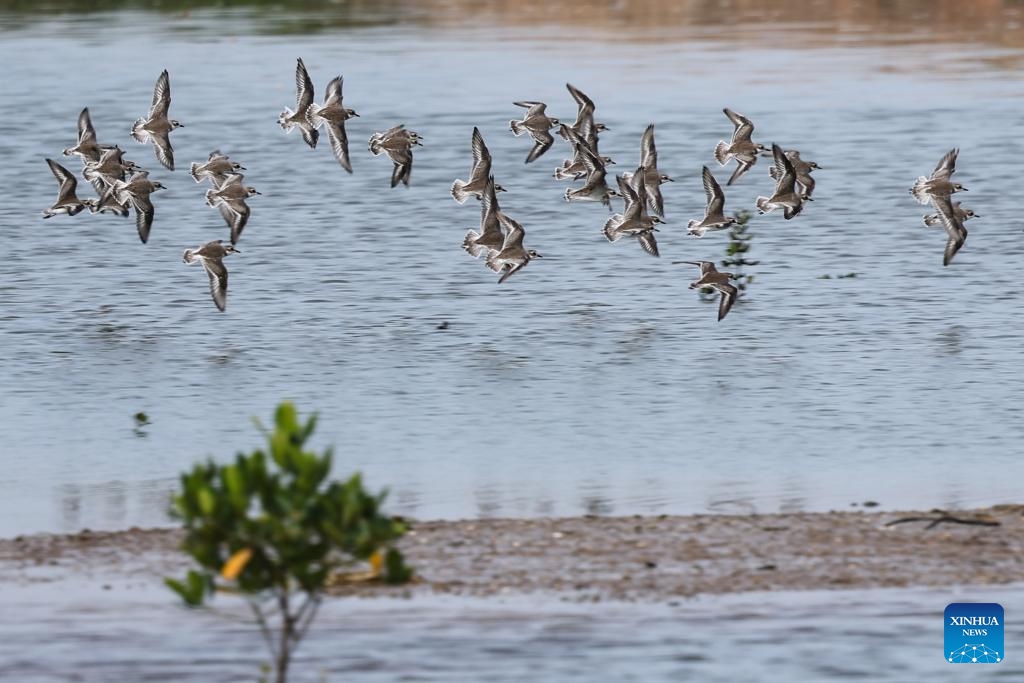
(932,219)
(722,152)
(194,172)
(763,206)
(563,173)
(211,198)
(137,132)
(691,229)
(493,263)
(611,228)
(516,127)
(920,190)
(470,245)
(458,193)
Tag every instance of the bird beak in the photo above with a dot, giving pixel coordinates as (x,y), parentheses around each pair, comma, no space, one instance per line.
(671,180)
(258,192)
(355,114)
(242,168)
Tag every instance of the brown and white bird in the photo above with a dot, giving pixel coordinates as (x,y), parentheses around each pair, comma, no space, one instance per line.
(938,184)
(303,99)
(67,202)
(87,148)
(740,147)
(157,127)
(216,168)
(136,192)
(491,238)
(595,189)
(653,178)
(714,211)
(785,196)
(513,256)
(538,124)
(634,221)
(211,255)
(711,277)
(397,143)
(805,183)
(229,198)
(479,175)
(333,115)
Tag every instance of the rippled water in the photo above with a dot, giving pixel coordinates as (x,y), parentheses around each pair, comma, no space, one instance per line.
(881,636)
(593,381)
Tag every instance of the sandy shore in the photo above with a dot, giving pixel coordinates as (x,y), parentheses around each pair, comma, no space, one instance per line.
(594,558)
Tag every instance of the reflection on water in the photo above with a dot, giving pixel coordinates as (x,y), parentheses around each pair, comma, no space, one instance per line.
(595,382)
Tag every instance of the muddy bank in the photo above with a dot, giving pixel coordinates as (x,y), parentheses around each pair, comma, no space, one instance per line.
(593,558)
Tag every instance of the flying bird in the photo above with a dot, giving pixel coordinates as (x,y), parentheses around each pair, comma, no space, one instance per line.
(157,127)
(211,255)
(303,99)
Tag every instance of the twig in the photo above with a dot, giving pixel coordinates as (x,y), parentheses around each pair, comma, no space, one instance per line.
(264,628)
(941,516)
(303,626)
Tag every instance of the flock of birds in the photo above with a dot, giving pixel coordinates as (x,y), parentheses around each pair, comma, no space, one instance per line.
(121,185)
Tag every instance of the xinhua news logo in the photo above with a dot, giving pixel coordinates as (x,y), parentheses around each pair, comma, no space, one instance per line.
(974,633)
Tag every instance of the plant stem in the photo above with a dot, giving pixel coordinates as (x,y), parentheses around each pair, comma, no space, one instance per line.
(287,624)
(264,629)
(303,625)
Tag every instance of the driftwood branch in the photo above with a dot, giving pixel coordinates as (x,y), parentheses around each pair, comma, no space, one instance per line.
(938,517)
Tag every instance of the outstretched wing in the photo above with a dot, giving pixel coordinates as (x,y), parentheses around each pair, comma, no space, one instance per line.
(161,96)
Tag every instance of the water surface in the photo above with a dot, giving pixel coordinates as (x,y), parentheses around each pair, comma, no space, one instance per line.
(593,381)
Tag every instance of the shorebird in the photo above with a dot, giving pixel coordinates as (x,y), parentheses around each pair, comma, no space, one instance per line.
(479,175)
(135,191)
(397,143)
(67,201)
(938,184)
(740,147)
(216,168)
(653,178)
(491,238)
(538,125)
(956,233)
(575,168)
(513,257)
(711,277)
(714,212)
(961,214)
(803,172)
(584,124)
(785,196)
(108,169)
(634,221)
(303,99)
(157,127)
(229,197)
(87,148)
(107,203)
(332,115)
(596,187)
(211,255)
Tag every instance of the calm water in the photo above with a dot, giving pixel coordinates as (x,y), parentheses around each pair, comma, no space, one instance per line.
(883,636)
(593,381)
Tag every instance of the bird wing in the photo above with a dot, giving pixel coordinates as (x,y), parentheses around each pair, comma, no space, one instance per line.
(648,153)
(303,89)
(333,92)
(744,128)
(713,192)
(481,156)
(163,149)
(218,281)
(161,96)
(86,133)
(728,297)
(648,243)
(339,143)
(542,143)
(946,166)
